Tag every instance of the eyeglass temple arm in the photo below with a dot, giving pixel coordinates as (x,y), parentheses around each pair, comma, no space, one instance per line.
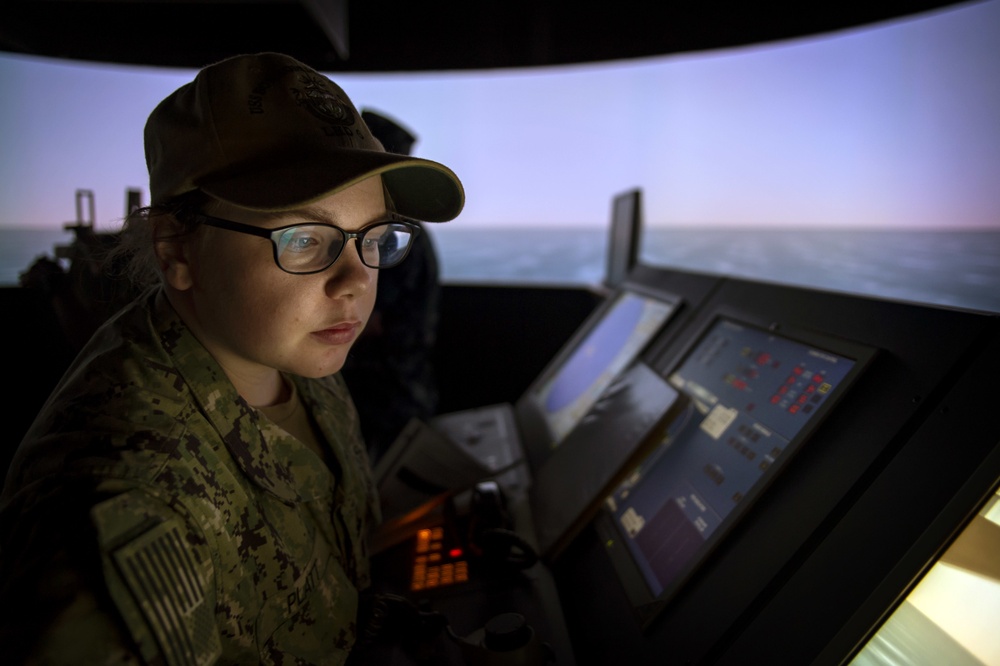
(235,226)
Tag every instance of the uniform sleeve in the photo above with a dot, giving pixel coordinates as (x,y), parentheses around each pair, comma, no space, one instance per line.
(120,583)
(160,576)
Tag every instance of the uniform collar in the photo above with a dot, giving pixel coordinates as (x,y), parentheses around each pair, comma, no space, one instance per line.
(271,458)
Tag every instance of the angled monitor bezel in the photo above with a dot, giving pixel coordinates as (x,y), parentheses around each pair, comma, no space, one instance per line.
(629,418)
(885,622)
(895,589)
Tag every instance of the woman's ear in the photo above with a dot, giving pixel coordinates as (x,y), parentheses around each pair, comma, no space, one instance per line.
(172,245)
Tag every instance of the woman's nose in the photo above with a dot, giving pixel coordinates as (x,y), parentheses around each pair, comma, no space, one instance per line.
(349,277)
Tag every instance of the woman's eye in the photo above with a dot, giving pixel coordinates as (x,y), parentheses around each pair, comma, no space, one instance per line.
(299,241)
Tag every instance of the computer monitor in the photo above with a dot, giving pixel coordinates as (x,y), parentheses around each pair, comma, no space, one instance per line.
(625,236)
(754,396)
(617,433)
(602,348)
(952,613)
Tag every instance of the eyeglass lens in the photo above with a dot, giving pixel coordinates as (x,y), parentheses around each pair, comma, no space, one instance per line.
(311,247)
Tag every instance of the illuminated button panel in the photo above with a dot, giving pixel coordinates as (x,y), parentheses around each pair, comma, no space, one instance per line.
(434,565)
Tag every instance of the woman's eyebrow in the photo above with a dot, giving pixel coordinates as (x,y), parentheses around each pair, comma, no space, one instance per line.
(325,216)
(304,214)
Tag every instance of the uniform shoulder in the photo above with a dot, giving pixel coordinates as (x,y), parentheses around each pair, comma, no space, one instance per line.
(107,574)
(160,575)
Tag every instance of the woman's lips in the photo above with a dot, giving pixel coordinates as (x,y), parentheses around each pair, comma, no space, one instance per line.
(341,334)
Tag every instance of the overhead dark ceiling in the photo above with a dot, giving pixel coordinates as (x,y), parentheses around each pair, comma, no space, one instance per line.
(401,35)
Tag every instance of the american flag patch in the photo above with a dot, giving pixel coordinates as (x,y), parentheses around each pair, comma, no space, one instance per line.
(169,587)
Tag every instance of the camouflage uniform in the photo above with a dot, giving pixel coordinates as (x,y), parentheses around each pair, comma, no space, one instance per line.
(150,512)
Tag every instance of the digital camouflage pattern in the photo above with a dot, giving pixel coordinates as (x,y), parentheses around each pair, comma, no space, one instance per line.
(151,514)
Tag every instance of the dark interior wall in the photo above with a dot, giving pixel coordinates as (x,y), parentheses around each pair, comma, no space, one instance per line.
(38,354)
(493,340)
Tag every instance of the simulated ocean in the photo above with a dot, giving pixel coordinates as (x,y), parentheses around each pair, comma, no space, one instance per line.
(948,268)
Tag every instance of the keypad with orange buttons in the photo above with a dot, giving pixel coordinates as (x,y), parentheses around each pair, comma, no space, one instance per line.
(433,565)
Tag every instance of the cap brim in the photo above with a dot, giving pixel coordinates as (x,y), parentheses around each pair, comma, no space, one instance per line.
(422,189)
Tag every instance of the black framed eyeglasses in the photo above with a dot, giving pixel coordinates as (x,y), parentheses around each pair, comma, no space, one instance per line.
(312,247)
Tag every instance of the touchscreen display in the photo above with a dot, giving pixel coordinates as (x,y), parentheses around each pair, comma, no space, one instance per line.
(752,393)
(610,345)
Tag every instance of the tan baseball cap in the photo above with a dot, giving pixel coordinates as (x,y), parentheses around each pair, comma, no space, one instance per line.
(268,133)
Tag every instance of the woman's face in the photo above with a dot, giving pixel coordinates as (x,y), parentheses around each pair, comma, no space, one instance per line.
(255,318)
